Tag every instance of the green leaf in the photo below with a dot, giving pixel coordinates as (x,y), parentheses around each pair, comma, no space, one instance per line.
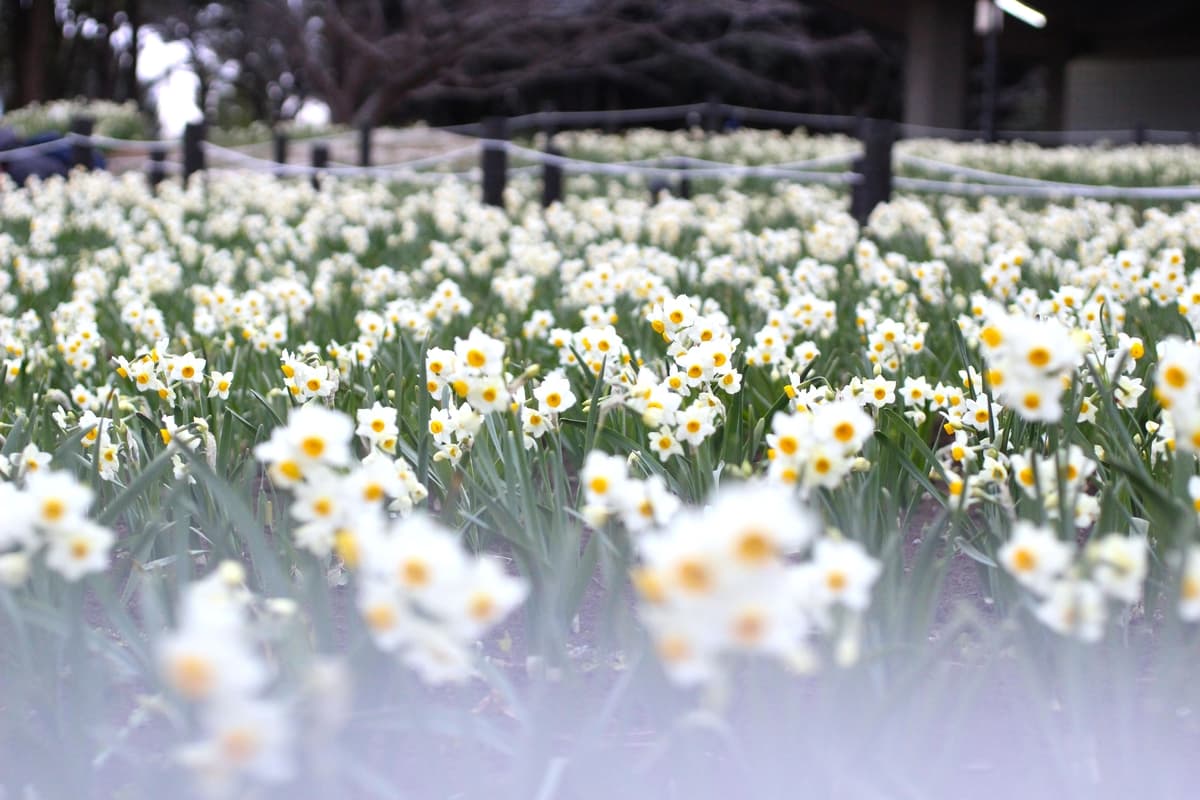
(140,484)
(974,553)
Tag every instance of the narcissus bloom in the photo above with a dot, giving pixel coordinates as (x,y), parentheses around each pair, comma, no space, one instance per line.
(1035,556)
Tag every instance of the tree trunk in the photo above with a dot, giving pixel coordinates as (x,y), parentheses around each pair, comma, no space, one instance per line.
(30,42)
(133,8)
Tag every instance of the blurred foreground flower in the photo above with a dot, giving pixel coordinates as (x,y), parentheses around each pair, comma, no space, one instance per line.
(729,579)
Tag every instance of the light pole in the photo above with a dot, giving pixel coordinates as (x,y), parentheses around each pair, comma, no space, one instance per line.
(989,21)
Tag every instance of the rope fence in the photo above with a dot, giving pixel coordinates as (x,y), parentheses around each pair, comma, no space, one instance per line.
(868,172)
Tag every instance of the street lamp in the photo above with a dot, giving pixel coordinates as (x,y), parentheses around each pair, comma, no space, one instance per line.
(989,20)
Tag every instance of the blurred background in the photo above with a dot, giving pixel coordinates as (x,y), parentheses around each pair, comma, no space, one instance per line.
(1064,64)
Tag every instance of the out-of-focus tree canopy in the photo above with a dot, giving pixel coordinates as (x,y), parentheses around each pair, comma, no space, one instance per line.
(451,60)
(67,48)
(372,60)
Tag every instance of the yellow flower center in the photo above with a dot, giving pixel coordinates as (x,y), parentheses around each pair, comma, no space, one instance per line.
(649,586)
(192,676)
(481,607)
(415,573)
(1039,357)
(694,576)
(836,580)
(381,617)
(674,649)
(749,627)
(240,745)
(755,547)
(53,509)
(345,544)
(1024,560)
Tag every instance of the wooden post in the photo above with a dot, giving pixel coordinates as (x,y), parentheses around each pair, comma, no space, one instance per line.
(364,145)
(495,161)
(552,177)
(320,160)
(657,187)
(712,115)
(193,150)
(82,153)
(875,167)
(546,119)
(156,172)
(281,152)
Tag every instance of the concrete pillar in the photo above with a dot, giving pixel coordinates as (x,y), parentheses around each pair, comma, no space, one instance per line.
(1056,92)
(935,64)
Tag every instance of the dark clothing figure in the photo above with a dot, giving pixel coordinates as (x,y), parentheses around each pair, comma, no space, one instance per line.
(56,160)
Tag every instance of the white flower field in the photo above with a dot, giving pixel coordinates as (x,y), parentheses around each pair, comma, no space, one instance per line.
(378,491)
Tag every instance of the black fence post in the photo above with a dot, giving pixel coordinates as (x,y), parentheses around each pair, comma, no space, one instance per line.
(685,183)
(874,167)
(364,145)
(82,153)
(546,120)
(712,115)
(193,150)
(281,152)
(320,160)
(658,185)
(157,171)
(552,177)
(495,160)
(1139,133)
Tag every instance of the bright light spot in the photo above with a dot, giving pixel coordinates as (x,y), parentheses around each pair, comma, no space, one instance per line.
(313,113)
(1028,15)
(173,84)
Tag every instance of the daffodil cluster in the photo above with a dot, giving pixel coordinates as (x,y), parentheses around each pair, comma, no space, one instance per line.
(335,494)
(1074,591)
(817,446)
(609,490)
(46,513)
(213,661)
(749,574)
(421,595)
